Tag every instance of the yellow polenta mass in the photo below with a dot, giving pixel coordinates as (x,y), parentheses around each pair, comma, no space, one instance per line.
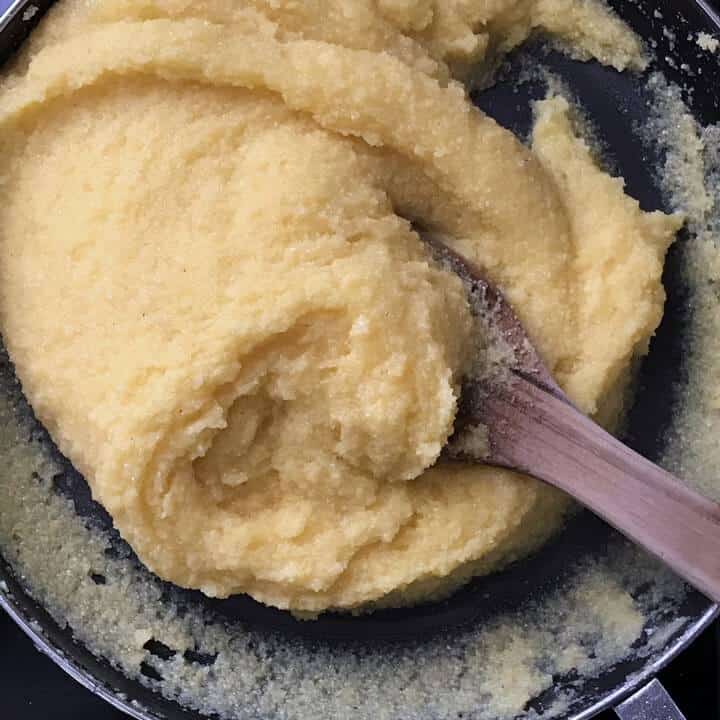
(216,302)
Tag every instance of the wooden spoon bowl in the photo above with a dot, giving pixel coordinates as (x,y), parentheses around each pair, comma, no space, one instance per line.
(530,425)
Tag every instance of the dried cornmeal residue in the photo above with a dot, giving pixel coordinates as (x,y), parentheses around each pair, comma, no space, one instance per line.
(708,42)
(692,178)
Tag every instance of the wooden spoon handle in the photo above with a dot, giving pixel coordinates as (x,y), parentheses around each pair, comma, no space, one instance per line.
(537,430)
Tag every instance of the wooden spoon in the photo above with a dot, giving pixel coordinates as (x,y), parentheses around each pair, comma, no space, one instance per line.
(533,427)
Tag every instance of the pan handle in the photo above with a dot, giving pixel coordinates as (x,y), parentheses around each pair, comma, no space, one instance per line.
(652,702)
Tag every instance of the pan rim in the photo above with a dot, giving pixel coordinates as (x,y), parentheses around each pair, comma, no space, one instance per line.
(70,666)
(639,680)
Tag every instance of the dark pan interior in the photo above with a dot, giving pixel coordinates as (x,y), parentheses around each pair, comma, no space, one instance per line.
(617,103)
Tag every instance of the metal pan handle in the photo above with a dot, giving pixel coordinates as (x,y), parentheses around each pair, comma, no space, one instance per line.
(652,702)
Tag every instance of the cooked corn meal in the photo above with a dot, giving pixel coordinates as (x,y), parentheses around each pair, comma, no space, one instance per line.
(217,303)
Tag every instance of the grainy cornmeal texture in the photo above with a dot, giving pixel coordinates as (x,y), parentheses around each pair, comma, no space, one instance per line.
(216,302)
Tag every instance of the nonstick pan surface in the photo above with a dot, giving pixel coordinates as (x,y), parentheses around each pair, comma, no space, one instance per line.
(617,104)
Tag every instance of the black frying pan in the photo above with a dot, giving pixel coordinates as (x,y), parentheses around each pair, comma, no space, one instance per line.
(617,103)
